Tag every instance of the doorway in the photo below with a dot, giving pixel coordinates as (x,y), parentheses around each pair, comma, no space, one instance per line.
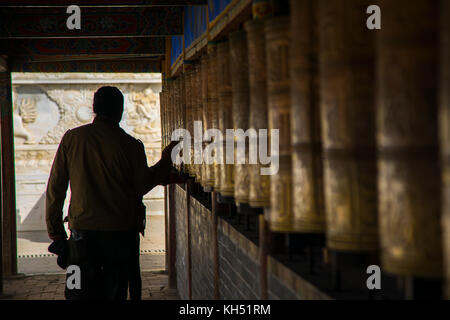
(45,106)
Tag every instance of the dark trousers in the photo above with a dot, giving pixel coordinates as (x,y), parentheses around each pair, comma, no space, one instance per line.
(108,262)
(134,271)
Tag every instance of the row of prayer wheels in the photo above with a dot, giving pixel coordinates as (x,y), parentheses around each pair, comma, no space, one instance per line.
(362,157)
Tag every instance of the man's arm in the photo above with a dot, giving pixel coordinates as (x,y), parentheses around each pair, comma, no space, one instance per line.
(159,174)
(56,194)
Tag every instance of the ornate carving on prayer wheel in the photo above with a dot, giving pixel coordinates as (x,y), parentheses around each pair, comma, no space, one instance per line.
(409,175)
(212,109)
(259,194)
(277,32)
(307,173)
(225,115)
(444,116)
(347,100)
(241,100)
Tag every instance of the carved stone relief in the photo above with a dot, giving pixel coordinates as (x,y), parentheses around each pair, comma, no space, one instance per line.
(45,106)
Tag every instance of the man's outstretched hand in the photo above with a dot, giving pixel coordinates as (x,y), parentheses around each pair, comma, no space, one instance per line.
(167,152)
(176,177)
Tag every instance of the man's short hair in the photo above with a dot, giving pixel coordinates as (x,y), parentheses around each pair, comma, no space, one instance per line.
(108,102)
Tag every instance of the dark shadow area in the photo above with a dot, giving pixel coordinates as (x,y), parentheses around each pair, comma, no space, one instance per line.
(339,275)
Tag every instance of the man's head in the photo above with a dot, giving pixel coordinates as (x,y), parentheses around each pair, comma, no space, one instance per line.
(108,102)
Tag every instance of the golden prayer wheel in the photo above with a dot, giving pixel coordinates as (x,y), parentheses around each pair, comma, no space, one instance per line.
(259,185)
(170,95)
(188,114)
(179,103)
(409,174)
(347,107)
(225,115)
(277,32)
(174,103)
(307,173)
(182,111)
(199,118)
(165,108)
(192,112)
(163,116)
(444,125)
(182,102)
(205,169)
(166,115)
(175,107)
(161,113)
(241,101)
(212,110)
(196,116)
(219,155)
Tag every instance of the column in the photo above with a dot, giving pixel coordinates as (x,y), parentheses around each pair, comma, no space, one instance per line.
(9,238)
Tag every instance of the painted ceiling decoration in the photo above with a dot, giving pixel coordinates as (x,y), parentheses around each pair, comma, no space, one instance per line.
(116,35)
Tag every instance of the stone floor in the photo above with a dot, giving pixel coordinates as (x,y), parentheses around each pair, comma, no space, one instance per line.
(34,258)
(41,279)
(35,264)
(37,242)
(51,287)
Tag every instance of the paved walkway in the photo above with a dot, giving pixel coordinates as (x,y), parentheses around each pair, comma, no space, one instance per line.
(51,287)
(42,279)
(37,242)
(35,264)
(34,258)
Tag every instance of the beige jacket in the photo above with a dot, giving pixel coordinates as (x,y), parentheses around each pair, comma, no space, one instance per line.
(108,174)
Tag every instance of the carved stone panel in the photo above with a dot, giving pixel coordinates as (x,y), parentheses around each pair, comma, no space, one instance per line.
(45,106)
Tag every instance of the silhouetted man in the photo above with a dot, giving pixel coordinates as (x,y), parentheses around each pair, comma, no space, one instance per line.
(108,174)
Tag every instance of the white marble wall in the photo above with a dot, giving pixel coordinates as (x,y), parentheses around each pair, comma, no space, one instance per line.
(47,105)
